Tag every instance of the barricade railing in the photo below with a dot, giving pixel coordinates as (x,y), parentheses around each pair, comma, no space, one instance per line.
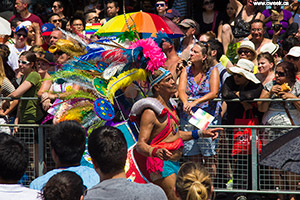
(245,172)
(244,169)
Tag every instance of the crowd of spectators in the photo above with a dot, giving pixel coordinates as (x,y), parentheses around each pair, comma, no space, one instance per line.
(242,51)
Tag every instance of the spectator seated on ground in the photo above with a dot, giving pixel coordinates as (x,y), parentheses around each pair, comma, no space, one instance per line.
(67,146)
(14,159)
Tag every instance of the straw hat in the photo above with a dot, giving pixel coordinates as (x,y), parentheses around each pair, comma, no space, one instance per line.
(244,67)
(247,45)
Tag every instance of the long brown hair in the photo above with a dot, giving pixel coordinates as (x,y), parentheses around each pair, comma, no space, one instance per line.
(205,50)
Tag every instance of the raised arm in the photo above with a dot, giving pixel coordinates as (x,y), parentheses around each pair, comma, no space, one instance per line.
(237,5)
(182,86)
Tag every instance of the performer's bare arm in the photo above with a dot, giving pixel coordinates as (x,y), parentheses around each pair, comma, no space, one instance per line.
(147,126)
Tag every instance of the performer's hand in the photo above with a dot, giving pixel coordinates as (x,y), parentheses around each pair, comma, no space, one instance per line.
(212,132)
(163,154)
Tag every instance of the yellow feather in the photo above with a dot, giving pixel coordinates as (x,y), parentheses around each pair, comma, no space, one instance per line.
(124,80)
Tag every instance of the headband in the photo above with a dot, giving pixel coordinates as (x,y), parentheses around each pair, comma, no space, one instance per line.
(163,75)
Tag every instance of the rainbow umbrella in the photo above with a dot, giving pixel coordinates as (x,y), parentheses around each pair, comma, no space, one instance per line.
(145,23)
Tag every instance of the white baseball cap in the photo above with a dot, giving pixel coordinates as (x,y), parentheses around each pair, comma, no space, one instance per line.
(295,52)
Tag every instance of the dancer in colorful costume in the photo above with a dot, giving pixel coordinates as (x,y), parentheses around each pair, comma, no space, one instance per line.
(160,140)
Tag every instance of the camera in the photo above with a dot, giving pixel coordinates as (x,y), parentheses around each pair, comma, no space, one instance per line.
(276,27)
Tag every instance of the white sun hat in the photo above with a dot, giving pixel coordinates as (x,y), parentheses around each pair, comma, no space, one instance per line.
(270,48)
(247,45)
(244,67)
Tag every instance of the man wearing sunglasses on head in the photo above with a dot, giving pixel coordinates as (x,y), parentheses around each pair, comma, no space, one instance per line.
(161,7)
(18,47)
(24,14)
(190,28)
(58,8)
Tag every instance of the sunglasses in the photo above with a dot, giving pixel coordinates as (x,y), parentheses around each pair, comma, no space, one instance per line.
(56,20)
(293,58)
(94,19)
(237,75)
(280,74)
(208,2)
(20,34)
(245,51)
(205,44)
(160,4)
(23,62)
(55,7)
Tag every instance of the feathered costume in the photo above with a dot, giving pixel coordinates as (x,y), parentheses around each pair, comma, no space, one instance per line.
(100,72)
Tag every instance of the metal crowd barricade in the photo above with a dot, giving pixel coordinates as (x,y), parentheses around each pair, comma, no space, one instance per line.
(248,176)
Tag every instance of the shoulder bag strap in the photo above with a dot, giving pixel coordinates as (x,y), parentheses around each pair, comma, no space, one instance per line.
(288,113)
(215,21)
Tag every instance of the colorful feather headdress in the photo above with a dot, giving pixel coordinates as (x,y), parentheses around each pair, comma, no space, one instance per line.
(100,73)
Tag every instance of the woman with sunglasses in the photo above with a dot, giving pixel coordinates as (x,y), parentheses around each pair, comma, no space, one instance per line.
(242,85)
(281,113)
(201,82)
(275,112)
(29,111)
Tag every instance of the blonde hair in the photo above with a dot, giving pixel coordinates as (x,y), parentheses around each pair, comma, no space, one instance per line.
(2,72)
(193,182)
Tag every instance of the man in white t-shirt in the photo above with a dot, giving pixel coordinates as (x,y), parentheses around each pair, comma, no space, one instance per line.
(18,47)
(14,157)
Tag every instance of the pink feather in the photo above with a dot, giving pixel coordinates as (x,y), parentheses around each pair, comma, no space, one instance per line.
(151,51)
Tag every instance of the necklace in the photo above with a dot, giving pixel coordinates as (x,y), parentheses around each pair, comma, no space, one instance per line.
(198,84)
